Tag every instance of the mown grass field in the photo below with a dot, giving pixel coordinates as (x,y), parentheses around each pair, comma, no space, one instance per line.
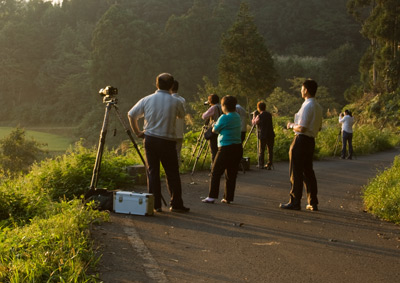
(55,143)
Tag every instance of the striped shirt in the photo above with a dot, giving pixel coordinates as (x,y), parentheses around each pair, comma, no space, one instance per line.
(160,111)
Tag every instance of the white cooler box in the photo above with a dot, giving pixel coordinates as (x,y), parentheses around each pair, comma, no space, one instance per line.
(133,203)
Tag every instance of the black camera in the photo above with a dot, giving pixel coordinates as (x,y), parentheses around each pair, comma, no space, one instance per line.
(108,91)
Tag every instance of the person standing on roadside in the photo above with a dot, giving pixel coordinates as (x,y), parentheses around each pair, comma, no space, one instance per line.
(160,111)
(180,122)
(212,114)
(265,135)
(347,121)
(307,124)
(243,118)
(229,154)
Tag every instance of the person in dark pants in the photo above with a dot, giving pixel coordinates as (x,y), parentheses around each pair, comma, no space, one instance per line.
(212,114)
(266,135)
(347,121)
(307,124)
(229,152)
(160,111)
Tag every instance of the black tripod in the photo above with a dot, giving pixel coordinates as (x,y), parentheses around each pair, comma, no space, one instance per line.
(337,142)
(200,145)
(111,102)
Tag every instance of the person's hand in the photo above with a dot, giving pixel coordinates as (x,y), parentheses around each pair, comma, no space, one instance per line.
(290,125)
(140,134)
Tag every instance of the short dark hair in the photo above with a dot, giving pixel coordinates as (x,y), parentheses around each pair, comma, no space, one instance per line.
(229,102)
(164,81)
(261,106)
(348,112)
(311,87)
(213,99)
(175,86)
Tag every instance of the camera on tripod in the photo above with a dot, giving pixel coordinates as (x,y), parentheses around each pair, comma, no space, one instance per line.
(108,91)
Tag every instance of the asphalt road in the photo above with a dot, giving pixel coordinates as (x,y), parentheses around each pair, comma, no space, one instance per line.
(253,240)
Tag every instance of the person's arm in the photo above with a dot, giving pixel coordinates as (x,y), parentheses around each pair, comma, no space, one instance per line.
(255,120)
(217,126)
(209,113)
(296,128)
(181,110)
(135,127)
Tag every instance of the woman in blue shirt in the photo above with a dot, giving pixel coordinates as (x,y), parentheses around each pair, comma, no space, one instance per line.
(229,152)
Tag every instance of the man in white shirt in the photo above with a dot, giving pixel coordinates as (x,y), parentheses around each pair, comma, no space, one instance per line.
(347,122)
(160,111)
(307,124)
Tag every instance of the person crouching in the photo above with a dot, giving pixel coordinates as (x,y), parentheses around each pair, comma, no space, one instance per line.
(230,151)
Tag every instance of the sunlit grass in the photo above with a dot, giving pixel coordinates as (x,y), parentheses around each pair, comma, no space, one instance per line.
(55,143)
(382,195)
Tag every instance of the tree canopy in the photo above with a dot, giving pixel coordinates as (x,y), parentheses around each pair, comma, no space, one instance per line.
(55,58)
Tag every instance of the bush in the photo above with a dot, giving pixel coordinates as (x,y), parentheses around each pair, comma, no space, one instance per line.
(382,195)
(69,175)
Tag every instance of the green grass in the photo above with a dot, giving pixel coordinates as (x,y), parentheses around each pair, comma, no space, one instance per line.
(382,195)
(55,143)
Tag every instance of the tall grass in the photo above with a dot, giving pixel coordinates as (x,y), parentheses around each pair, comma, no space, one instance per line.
(52,249)
(382,195)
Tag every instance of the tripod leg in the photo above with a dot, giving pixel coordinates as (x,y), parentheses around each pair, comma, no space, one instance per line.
(248,136)
(337,142)
(129,133)
(204,142)
(100,149)
(197,143)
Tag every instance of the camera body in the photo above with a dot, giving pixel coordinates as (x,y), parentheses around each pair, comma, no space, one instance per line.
(108,91)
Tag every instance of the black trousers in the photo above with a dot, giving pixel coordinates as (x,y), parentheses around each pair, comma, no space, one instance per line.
(347,138)
(227,160)
(262,144)
(213,143)
(159,150)
(301,170)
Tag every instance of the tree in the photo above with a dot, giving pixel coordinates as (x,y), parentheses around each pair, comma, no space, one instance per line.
(380,20)
(17,153)
(246,68)
(338,77)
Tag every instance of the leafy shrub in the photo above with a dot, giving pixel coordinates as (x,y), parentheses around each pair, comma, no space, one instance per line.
(382,195)
(70,175)
(17,153)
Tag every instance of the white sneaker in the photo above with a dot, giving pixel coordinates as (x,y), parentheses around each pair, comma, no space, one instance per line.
(208,200)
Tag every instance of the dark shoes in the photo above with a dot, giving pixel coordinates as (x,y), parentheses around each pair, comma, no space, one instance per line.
(313,207)
(158,209)
(179,209)
(290,206)
(268,167)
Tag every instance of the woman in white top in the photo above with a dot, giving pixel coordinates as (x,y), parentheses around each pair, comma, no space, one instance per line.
(347,121)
